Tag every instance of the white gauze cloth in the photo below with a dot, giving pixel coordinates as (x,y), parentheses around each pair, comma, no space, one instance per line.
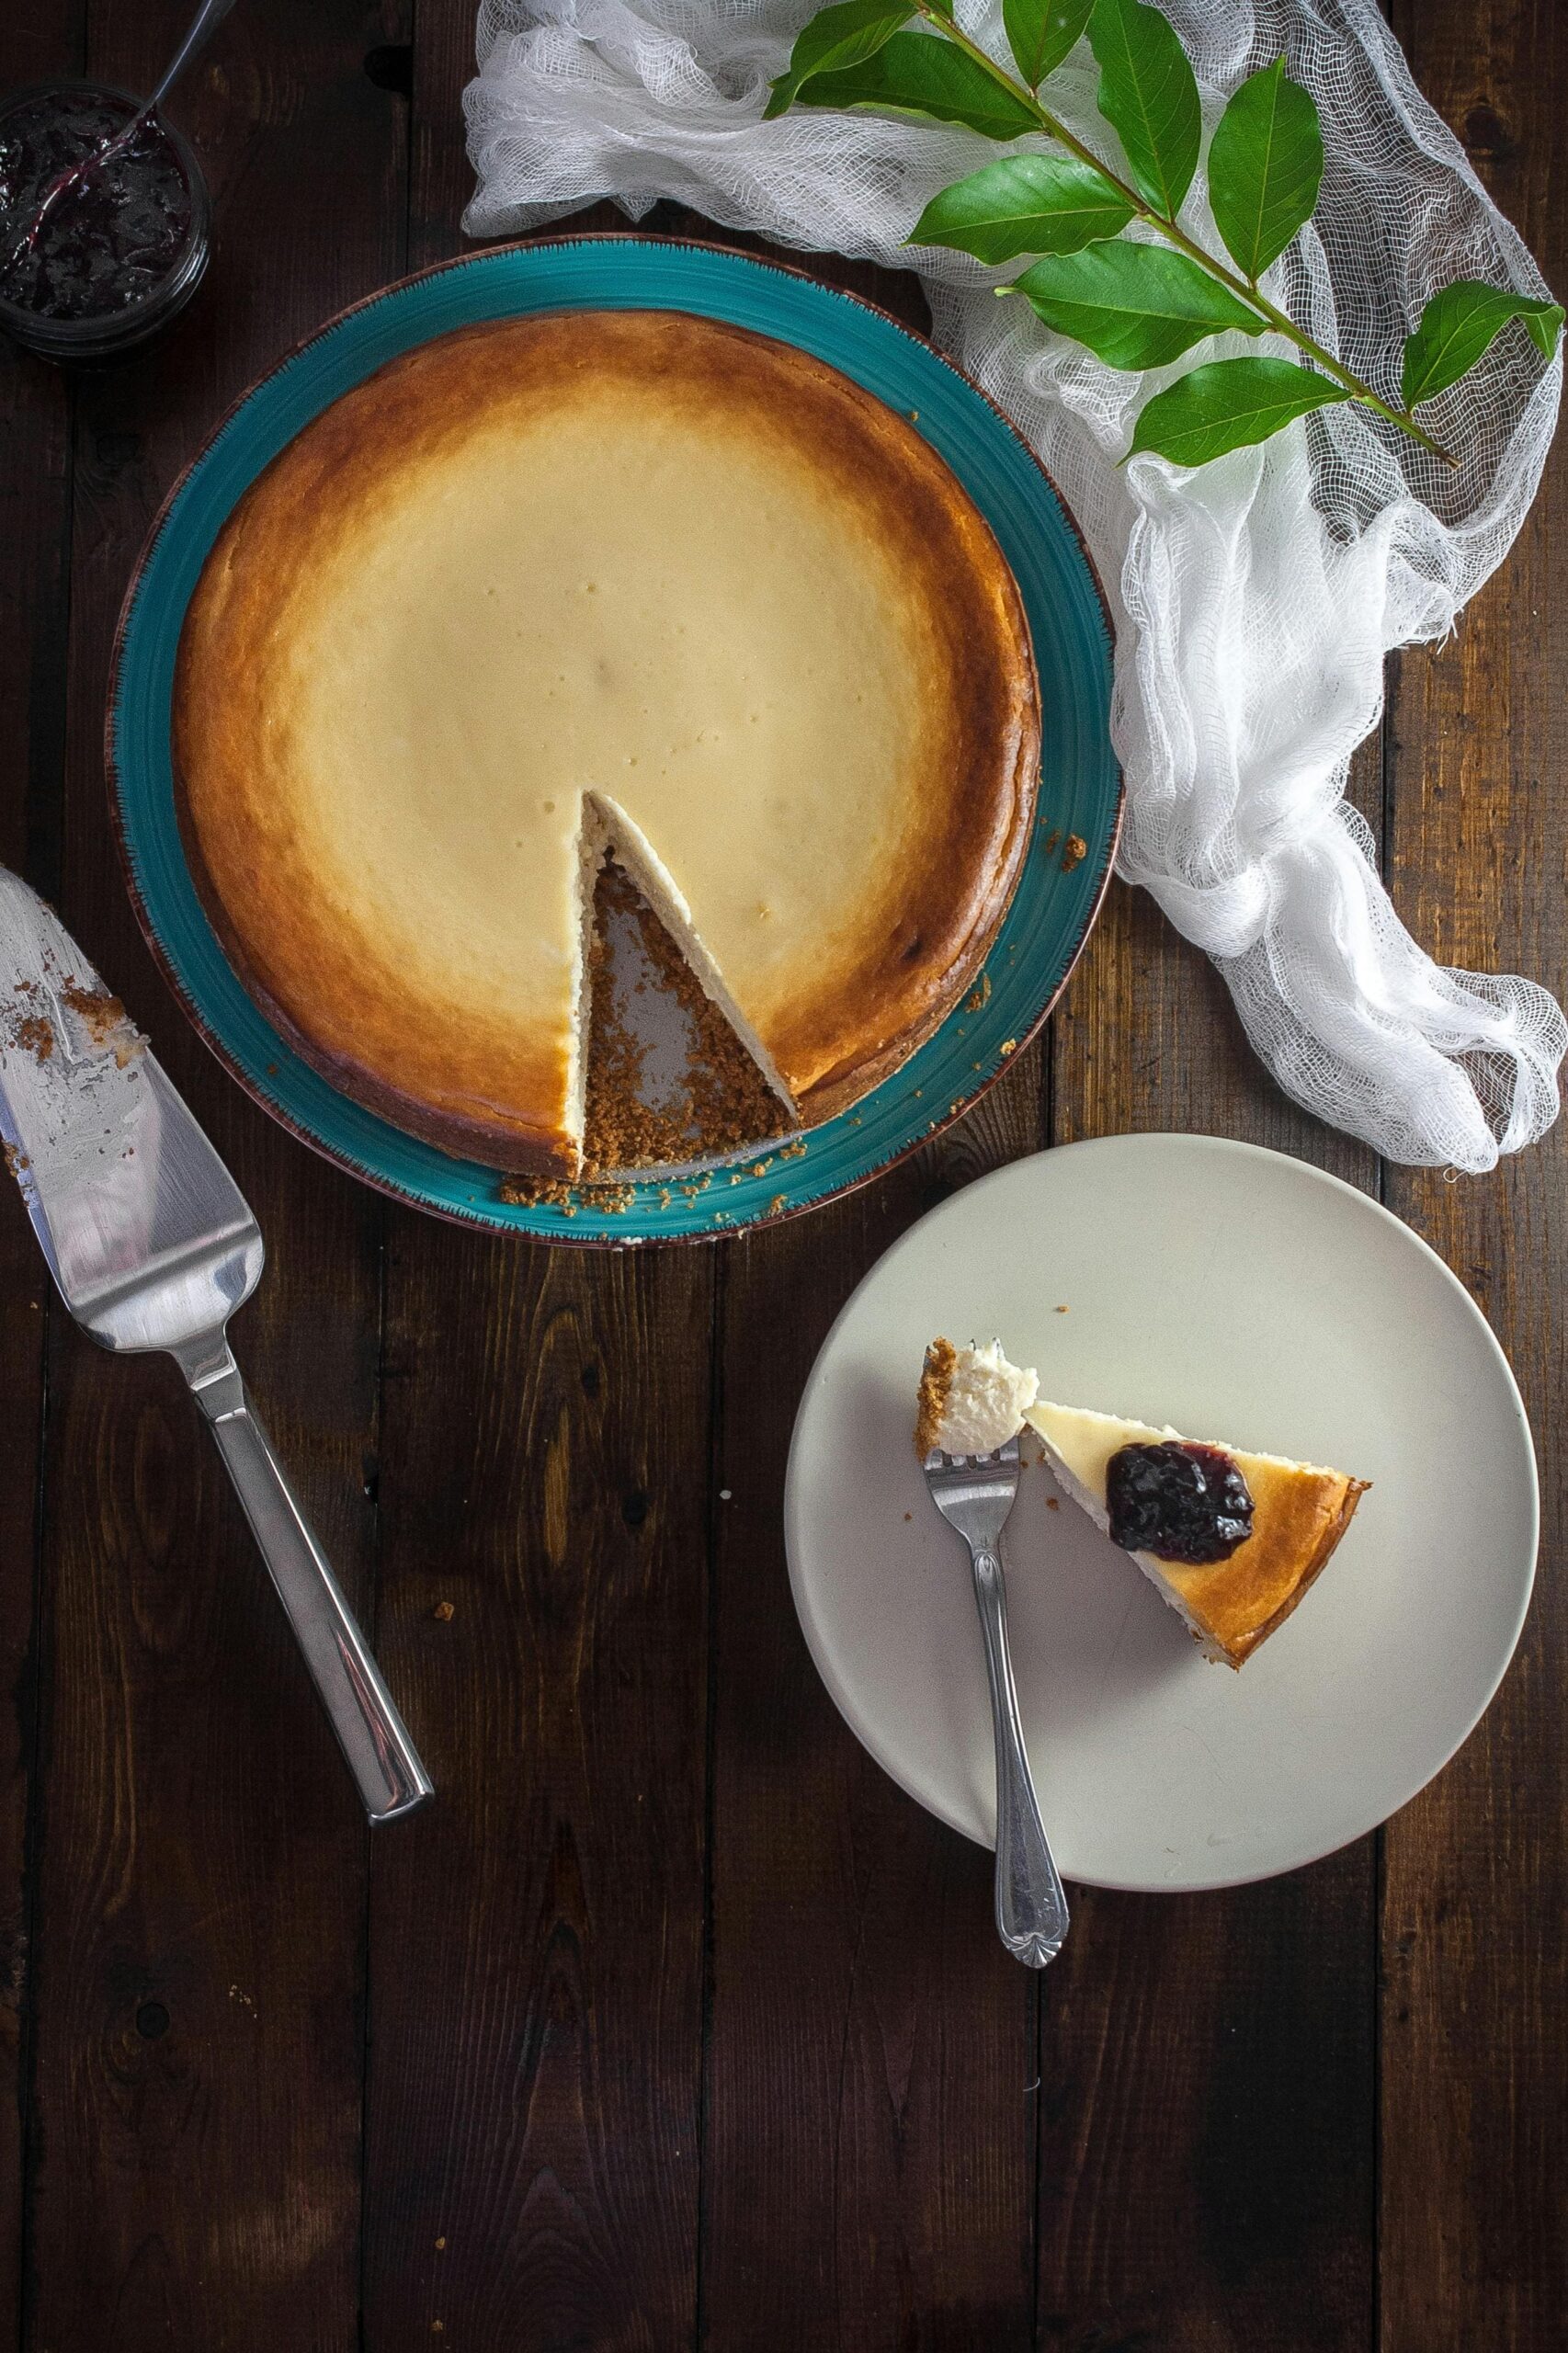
(1255,599)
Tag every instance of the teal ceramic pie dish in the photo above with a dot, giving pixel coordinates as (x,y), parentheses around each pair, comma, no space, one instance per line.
(1065,874)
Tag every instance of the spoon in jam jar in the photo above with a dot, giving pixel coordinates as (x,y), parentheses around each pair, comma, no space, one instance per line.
(208,18)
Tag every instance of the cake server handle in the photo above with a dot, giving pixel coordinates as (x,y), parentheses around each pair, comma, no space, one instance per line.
(1031,1906)
(385,1763)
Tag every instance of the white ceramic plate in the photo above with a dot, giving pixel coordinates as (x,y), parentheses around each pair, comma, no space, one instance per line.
(1237,1294)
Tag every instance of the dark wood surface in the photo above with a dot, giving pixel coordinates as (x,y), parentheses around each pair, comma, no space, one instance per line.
(675,2024)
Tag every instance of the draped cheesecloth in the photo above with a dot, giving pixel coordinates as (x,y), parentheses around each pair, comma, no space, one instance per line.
(1255,599)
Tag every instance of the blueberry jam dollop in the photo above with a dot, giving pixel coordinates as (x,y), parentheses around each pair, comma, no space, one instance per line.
(109,237)
(1179,1502)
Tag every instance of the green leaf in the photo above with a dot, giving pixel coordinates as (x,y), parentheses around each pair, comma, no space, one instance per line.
(1135,306)
(920,74)
(1544,328)
(836,39)
(1042,32)
(1264,164)
(1227,404)
(1024,204)
(1459,323)
(1149,97)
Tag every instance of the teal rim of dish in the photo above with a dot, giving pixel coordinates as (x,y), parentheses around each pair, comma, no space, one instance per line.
(1065,874)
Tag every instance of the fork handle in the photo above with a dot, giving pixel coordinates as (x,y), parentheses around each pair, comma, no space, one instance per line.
(379,1755)
(1031,1907)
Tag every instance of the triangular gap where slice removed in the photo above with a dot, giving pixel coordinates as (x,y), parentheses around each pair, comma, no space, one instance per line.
(669,1075)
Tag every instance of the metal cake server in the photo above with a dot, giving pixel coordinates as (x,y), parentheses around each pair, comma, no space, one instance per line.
(152,1245)
(974,1493)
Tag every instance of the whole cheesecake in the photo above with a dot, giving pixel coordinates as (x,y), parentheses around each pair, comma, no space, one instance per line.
(632,582)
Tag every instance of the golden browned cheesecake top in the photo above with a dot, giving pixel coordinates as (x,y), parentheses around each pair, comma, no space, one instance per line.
(637,570)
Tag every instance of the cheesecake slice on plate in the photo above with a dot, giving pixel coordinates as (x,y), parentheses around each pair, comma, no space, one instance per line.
(1231,1539)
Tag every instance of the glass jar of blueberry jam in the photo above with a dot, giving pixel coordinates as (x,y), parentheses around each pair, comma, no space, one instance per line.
(121,248)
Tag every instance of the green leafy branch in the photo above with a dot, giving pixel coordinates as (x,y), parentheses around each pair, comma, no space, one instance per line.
(1140,302)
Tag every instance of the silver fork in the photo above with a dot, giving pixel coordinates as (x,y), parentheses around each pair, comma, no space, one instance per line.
(974,1493)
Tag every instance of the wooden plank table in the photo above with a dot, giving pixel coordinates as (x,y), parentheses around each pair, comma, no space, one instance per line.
(675,2024)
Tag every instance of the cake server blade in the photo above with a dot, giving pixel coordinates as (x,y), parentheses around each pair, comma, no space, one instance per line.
(132,1207)
(152,1244)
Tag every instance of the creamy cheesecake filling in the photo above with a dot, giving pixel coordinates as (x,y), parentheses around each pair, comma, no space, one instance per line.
(593,849)
(972,1400)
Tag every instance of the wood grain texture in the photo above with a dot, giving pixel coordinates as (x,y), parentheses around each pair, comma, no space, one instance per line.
(196,2101)
(1206,2127)
(35,513)
(536,1972)
(537,1936)
(1474,2007)
(869,2085)
(673,2022)
(869,2152)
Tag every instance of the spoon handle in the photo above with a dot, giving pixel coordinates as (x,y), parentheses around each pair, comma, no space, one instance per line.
(207,19)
